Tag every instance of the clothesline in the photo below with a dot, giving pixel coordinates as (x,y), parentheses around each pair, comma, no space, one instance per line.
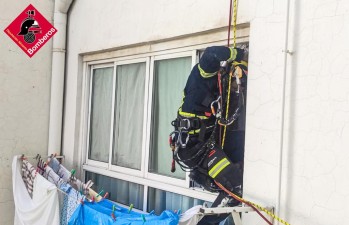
(38,156)
(75,207)
(56,180)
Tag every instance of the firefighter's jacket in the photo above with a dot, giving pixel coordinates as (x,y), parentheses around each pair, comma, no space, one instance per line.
(202,85)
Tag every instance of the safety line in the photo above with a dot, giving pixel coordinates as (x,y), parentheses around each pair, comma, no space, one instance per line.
(227,111)
(229,23)
(254,206)
(234,43)
(221,100)
(234,23)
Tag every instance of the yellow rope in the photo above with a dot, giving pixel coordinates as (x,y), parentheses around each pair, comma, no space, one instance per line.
(266,211)
(226,114)
(234,23)
(234,44)
(225,128)
(254,204)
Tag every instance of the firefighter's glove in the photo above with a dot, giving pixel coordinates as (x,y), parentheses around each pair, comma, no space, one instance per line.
(242,65)
(241,68)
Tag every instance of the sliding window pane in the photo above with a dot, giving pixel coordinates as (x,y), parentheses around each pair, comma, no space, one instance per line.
(120,191)
(159,200)
(170,76)
(100,119)
(129,111)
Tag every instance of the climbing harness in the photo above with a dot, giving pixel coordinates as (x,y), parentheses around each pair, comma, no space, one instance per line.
(216,105)
(176,142)
(189,125)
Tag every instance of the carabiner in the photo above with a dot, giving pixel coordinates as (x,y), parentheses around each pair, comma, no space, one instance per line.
(172,137)
(219,109)
(183,145)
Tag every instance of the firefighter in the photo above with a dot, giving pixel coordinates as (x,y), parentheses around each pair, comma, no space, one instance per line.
(196,139)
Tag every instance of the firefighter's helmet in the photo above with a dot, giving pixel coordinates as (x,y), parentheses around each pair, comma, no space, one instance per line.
(27,24)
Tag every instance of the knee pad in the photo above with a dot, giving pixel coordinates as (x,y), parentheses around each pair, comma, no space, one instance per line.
(221,169)
(204,180)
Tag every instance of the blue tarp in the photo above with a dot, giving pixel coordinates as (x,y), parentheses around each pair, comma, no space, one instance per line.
(101,214)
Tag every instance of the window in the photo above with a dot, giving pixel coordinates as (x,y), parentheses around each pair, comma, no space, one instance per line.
(169,80)
(128,119)
(159,201)
(100,119)
(131,103)
(116,120)
(119,191)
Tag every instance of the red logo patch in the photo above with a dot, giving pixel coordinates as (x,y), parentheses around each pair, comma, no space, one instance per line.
(211,153)
(30,30)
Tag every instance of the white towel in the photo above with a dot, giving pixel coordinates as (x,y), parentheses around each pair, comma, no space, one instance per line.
(43,208)
(191,216)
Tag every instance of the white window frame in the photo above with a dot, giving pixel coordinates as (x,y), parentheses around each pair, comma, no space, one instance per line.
(143,177)
(153,51)
(90,78)
(108,165)
(154,176)
(126,170)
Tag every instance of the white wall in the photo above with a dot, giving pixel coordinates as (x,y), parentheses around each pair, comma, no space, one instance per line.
(310,129)
(94,26)
(317,115)
(24,100)
(315,175)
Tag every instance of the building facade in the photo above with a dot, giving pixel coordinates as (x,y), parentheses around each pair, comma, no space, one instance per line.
(25,100)
(116,125)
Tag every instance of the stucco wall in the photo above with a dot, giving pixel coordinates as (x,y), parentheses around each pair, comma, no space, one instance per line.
(314,138)
(309,126)
(24,100)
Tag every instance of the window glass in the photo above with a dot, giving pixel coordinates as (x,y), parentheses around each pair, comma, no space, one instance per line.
(159,201)
(120,191)
(129,111)
(101,105)
(170,76)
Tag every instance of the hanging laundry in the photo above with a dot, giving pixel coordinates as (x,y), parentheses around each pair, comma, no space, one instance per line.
(191,216)
(103,213)
(41,165)
(28,174)
(43,208)
(71,197)
(53,177)
(70,202)
(67,176)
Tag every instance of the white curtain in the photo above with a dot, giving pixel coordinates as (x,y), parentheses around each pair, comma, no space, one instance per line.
(129,111)
(101,105)
(169,81)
